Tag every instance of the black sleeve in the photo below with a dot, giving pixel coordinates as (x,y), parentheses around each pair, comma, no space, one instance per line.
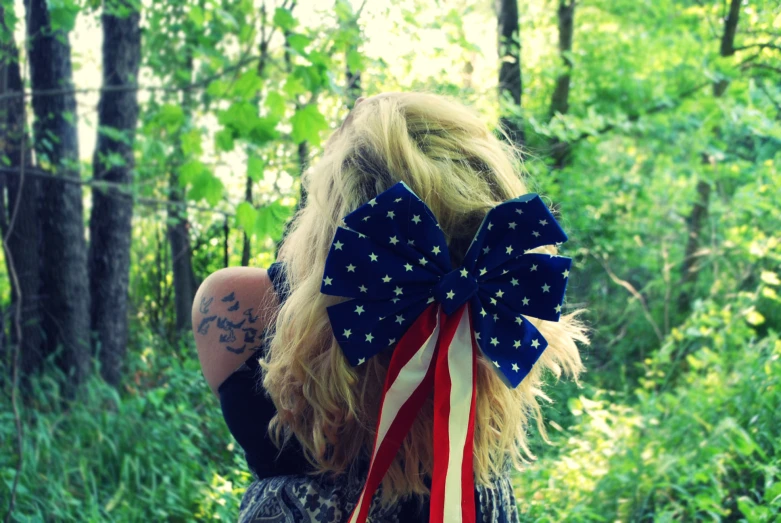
(247,410)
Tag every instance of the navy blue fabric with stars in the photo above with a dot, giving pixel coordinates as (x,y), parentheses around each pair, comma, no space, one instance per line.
(391,257)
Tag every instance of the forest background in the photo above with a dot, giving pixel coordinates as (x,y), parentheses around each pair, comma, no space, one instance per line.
(144,145)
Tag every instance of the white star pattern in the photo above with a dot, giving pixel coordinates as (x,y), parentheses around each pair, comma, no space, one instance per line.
(351,268)
(393,240)
(399,319)
(519,211)
(534,267)
(494,342)
(373,257)
(514,281)
(496,363)
(512,225)
(347,333)
(391,341)
(483,313)
(486,249)
(373,202)
(411,242)
(515,367)
(435,250)
(327,280)
(359,310)
(477,335)
(451,295)
(536,234)
(545,287)
(386,279)
(338,246)
(499,293)
(509,249)
(482,272)
(408,267)
(464,273)
(398,291)
(517,344)
(543,222)
(519,320)
(430,300)
(493,301)
(369,337)
(535,343)
(565,273)
(496,317)
(397,200)
(490,226)
(525,300)
(423,261)
(366,218)
(558,308)
(416,218)
(391,214)
(361,361)
(363,289)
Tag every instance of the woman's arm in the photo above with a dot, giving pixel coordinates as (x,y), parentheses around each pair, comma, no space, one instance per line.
(232,308)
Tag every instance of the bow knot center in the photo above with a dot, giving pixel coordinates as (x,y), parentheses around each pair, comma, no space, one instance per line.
(454,289)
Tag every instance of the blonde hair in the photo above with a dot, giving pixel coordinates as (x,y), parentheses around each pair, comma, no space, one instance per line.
(449,158)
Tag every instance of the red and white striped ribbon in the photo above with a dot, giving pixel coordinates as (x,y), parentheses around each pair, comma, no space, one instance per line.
(438,352)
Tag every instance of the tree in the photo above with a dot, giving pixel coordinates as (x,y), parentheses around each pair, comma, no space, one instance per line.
(21,227)
(560,98)
(510,83)
(65,299)
(112,205)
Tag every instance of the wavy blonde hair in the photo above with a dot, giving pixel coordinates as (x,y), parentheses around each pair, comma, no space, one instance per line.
(448,157)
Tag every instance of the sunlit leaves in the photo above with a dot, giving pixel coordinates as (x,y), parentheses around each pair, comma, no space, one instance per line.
(307,124)
(202,184)
(242,120)
(267,221)
(63,14)
(284,19)
(171,117)
(255,167)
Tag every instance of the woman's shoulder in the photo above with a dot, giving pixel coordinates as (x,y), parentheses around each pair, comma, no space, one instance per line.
(231,309)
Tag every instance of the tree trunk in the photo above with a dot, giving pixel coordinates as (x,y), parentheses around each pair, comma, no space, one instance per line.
(699,213)
(179,229)
(112,208)
(510,86)
(560,99)
(65,285)
(21,226)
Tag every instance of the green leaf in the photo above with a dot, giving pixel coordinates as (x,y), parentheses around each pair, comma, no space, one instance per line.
(223,140)
(284,19)
(293,86)
(307,124)
(203,185)
(298,42)
(271,220)
(63,14)
(264,130)
(191,142)
(171,117)
(255,168)
(247,85)
(354,60)
(246,217)
(275,103)
(196,16)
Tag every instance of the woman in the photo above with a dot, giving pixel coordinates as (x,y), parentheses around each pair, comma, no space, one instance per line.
(295,390)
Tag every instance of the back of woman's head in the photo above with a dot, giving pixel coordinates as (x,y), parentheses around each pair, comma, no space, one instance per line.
(452,161)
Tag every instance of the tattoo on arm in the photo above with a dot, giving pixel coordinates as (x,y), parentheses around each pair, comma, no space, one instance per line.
(253,341)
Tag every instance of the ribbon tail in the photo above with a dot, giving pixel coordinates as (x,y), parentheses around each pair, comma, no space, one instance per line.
(409,380)
(452,486)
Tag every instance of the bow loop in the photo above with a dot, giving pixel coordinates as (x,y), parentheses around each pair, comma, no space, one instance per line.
(454,289)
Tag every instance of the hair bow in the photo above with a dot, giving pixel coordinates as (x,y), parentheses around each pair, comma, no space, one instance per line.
(392,258)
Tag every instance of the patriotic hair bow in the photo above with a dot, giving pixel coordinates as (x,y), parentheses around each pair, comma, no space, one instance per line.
(391,257)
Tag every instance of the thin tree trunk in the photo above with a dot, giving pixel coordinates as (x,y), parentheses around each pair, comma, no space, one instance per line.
(510,84)
(699,213)
(560,99)
(179,230)
(112,209)
(65,285)
(21,214)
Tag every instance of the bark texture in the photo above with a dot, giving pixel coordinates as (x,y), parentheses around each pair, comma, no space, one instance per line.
(112,208)
(510,83)
(65,296)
